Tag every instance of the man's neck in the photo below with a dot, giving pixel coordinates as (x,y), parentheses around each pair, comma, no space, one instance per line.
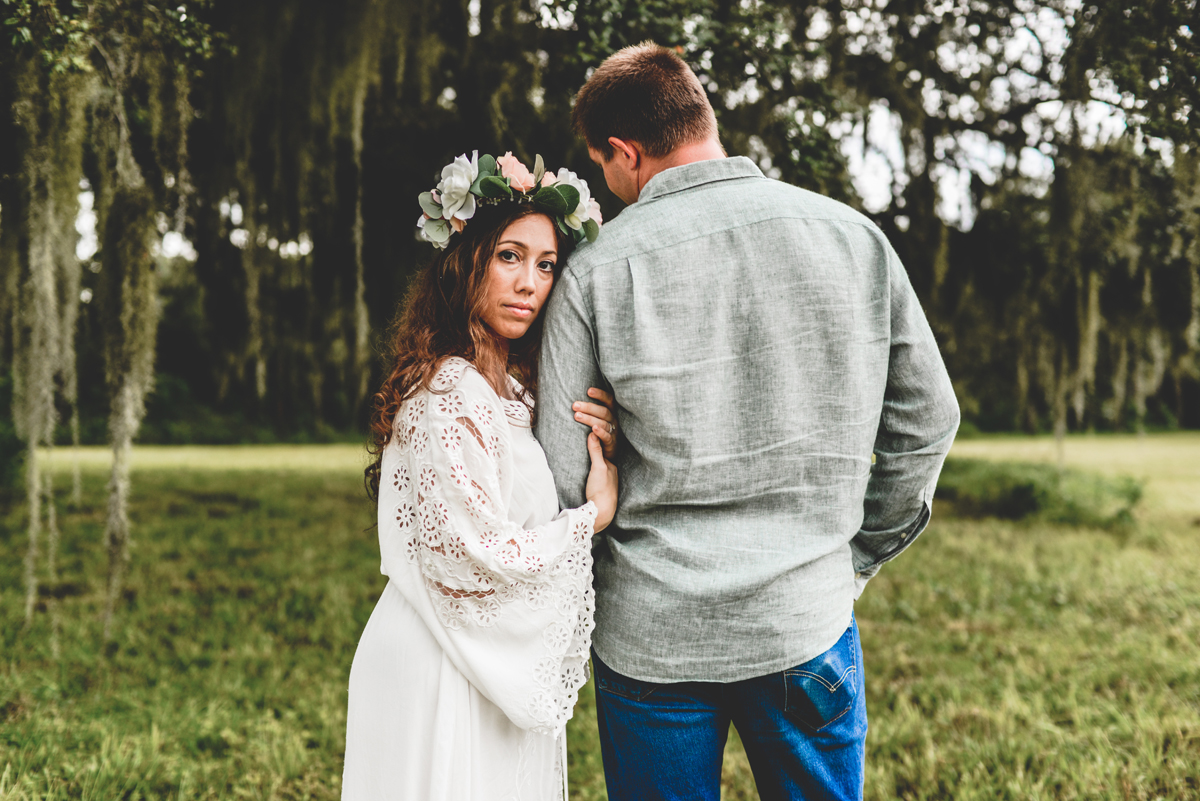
(684,154)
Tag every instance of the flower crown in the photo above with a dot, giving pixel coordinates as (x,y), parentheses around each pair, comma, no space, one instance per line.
(486,181)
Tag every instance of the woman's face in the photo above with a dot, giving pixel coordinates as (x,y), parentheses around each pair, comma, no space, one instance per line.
(520,275)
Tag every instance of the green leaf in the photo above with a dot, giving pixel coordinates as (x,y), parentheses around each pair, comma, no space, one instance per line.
(429,205)
(570,194)
(437,230)
(562,226)
(550,200)
(487,168)
(539,169)
(591,230)
(492,186)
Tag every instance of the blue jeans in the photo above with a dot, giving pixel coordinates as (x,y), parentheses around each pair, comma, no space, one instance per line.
(804,730)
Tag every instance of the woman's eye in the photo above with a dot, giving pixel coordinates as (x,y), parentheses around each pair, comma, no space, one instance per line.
(509,255)
(546,266)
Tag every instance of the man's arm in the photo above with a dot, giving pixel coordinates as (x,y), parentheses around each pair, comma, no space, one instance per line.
(566,369)
(916,428)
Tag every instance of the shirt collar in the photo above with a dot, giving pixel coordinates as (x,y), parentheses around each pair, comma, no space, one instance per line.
(686,176)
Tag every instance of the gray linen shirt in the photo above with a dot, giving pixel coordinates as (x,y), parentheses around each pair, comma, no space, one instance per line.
(762,343)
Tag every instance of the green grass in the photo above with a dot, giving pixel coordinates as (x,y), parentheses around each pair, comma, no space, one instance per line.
(1004,659)
(227,680)
(339,459)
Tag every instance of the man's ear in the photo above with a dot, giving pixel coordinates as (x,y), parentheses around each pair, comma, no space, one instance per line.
(629,150)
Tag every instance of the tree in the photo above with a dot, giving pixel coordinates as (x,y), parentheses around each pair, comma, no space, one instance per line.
(100,91)
(1058,260)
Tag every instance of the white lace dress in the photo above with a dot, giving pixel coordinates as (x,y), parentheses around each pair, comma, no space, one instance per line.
(470,665)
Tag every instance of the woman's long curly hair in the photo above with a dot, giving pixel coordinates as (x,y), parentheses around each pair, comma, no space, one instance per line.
(441,317)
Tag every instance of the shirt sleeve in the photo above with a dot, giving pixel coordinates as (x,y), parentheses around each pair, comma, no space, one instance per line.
(916,428)
(513,607)
(567,368)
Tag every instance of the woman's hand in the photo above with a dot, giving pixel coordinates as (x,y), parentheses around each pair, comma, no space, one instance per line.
(601,484)
(600,418)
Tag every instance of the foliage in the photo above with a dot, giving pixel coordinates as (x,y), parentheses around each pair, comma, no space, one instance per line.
(483,181)
(1047,293)
(1000,664)
(1022,491)
(763,71)
(63,35)
(42,26)
(1062,277)
(1150,51)
(88,85)
(45,283)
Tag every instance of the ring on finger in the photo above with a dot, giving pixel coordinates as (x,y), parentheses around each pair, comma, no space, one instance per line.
(611,428)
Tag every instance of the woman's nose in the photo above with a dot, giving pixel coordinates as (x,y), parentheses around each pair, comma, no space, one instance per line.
(524,279)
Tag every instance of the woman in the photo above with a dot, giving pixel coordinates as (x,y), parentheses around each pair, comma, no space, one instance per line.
(470,665)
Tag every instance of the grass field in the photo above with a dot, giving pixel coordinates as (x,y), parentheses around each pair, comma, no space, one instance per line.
(1004,659)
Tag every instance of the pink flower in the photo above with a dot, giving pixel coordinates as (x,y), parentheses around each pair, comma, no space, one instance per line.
(549,178)
(518,175)
(594,211)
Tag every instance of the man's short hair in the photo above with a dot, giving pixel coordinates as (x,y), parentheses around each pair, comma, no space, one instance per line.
(643,93)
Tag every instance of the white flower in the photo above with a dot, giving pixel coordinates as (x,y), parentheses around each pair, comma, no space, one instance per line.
(455,187)
(575,219)
(594,212)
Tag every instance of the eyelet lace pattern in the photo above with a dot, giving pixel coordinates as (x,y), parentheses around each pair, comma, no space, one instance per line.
(443,502)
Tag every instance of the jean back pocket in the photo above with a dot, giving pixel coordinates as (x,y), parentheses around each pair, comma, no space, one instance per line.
(611,682)
(824,688)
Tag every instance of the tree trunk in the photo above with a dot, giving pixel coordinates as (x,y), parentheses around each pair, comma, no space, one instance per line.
(52,541)
(362,321)
(116,529)
(1120,381)
(33,495)
(1060,417)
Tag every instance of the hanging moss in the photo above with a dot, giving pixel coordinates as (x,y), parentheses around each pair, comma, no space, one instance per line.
(323,120)
(48,110)
(129,295)
(104,84)
(127,292)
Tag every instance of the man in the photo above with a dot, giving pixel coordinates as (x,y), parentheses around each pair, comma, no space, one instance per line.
(783,414)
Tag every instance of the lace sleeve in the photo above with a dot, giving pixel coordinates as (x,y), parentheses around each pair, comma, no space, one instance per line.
(514,606)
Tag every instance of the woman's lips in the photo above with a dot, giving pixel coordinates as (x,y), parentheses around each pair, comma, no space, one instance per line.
(519,311)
